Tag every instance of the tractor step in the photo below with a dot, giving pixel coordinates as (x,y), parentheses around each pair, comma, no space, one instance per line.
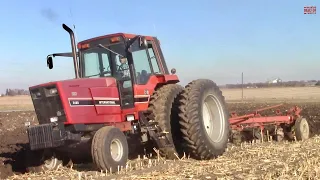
(152,123)
(155,132)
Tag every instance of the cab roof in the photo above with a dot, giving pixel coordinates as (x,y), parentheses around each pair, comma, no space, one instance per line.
(125,35)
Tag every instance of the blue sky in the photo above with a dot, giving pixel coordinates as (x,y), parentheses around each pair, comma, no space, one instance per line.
(200,38)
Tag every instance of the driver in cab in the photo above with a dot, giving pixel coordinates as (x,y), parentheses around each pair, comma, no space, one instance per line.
(123,68)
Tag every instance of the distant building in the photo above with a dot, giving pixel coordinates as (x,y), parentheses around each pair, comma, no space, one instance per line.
(275,81)
(250,87)
(311,83)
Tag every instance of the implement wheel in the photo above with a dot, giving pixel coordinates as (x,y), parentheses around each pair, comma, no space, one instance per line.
(109,149)
(279,134)
(301,128)
(204,119)
(236,138)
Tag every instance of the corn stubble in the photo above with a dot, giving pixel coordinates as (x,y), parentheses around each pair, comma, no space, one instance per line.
(267,160)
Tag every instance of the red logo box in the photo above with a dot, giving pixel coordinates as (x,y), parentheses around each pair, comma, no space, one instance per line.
(309,10)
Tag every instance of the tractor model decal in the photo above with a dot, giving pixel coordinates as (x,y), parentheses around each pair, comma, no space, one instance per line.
(94,101)
(97,101)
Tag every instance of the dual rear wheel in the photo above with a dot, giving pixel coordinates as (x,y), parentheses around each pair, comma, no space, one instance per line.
(204,119)
(196,118)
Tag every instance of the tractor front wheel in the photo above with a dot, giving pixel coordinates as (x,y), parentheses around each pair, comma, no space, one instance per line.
(109,149)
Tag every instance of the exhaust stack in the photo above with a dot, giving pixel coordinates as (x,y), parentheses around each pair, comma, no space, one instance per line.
(74,50)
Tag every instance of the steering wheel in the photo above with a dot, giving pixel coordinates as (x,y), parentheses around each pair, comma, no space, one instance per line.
(120,68)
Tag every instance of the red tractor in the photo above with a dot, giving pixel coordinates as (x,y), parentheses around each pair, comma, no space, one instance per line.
(122,98)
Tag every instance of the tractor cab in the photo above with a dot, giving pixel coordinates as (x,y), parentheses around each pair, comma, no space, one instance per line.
(111,55)
(130,59)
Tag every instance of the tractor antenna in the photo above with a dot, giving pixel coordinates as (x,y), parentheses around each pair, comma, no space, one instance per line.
(73,24)
(154,29)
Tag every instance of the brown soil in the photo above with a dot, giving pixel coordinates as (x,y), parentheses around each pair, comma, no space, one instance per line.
(13,140)
(13,137)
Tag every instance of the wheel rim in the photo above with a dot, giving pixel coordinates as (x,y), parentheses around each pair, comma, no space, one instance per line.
(304,129)
(237,138)
(280,134)
(213,118)
(116,150)
(51,163)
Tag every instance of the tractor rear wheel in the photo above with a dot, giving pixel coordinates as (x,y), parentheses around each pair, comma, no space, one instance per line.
(204,119)
(301,128)
(163,110)
(109,149)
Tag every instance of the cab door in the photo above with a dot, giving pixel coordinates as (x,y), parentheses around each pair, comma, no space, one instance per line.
(124,82)
(146,66)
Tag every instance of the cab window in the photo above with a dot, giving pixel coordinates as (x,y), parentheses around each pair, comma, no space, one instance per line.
(93,61)
(142,66)
(154,59)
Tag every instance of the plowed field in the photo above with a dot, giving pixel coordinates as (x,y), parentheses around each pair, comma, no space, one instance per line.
(260,160)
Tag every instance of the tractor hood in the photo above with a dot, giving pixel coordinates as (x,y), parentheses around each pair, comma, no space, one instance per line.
(81,83)
(78,100)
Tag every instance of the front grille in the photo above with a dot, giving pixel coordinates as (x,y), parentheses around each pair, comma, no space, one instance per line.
(47,106)
(40,136)
(45,136)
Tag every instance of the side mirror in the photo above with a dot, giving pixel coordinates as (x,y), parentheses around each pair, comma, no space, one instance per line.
(49,62)
(173,70)
(143,42)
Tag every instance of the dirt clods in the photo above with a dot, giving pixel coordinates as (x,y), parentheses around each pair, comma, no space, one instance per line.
(13,141)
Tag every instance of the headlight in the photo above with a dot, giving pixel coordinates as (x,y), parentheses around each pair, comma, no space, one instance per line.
(53,91)
(53,119)
(35,95)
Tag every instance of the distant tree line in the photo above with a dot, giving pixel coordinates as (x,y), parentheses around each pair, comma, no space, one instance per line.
(279,84)
(15,92)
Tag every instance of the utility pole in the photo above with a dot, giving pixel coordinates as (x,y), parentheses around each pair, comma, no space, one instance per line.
(242,86)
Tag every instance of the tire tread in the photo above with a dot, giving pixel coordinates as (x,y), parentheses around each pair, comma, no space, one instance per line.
(190,119)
